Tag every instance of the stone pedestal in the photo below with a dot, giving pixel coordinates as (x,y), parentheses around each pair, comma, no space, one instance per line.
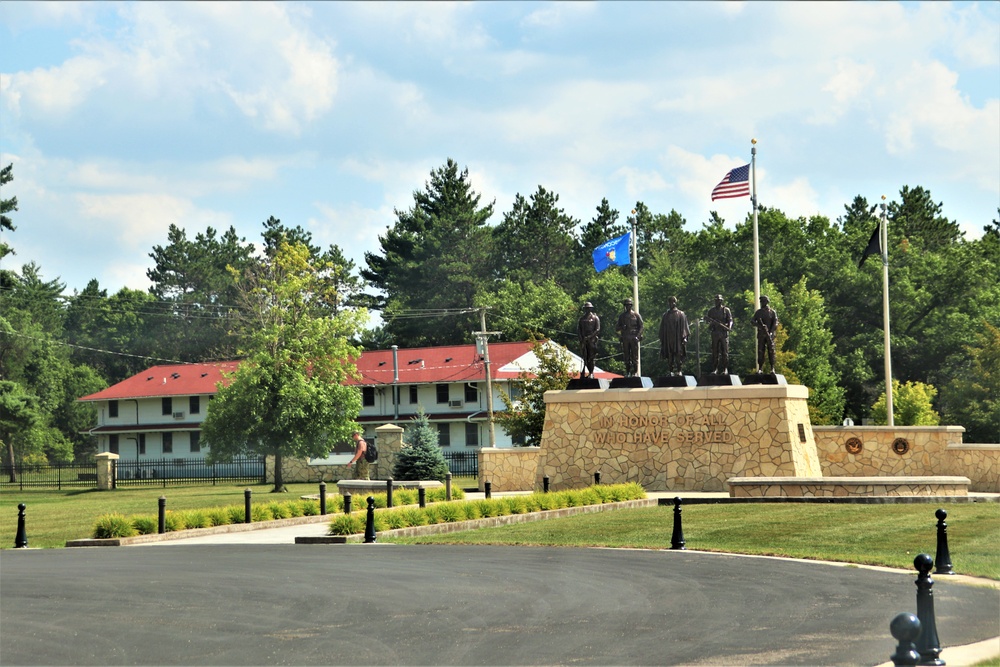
(712,380)
(105,470)
(676,439)
(675,381)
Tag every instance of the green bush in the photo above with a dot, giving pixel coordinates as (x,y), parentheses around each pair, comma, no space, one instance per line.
(347,524)
(471,511)
(311,507)
(237,513)
(218,516)
(260,513)
(196,519)
(515,504)
(113,525)
(278,510)
(396,518)
(450,513)
(414,516)
(145,525)
(294,508)
(173,521)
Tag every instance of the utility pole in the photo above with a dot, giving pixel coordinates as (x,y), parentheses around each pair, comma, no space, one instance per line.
(482,346)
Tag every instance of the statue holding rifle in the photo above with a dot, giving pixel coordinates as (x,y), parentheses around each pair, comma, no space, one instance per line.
(766,322)
(720,320)
(589,328)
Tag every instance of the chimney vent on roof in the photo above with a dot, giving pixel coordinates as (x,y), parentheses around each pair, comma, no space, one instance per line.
(149,378)
(447,359)
(204,374)
(416,361)
(381,363)
(175,375)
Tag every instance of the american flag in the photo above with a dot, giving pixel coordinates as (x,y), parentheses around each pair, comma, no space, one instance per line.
(735,184)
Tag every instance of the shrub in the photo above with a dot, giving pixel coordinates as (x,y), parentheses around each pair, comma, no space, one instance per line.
(278,510)
(347,524)
(260,513)
(113,525)
(237,513)
(471,511)
(405,497)
(173,521)
(515,504)
(219,516)
(396,518)
(145,525)
(196,519)
(311,507)
(486,507)
(414,516)
(449,513)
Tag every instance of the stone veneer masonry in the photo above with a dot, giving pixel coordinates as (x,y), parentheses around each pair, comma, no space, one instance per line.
(683,439)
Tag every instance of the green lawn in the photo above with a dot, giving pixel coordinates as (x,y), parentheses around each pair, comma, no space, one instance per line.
(53,517)
(890,535)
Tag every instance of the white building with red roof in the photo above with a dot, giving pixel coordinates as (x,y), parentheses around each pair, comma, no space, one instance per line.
(157,414)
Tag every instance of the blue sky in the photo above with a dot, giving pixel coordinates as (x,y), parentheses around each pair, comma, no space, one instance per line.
(122,118)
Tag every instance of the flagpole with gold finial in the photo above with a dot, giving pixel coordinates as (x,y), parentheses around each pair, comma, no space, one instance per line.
(756,237)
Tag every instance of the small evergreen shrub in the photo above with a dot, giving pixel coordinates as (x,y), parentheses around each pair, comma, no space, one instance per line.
(113,525)
(450,513)
(237,513)
(396,518)
(278,510)
(173,521)
(145,525)
(414,516)
(196,519)
(260,513)
(347,524)
(310,507)
(218,516)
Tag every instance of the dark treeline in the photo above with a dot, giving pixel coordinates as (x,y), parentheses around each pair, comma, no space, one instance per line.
(441,261)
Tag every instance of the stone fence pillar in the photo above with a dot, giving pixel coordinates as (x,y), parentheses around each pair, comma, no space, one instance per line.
(105,471)
(390,440)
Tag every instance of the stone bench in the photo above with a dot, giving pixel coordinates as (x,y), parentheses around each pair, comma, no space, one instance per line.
(840,487)
(362,486)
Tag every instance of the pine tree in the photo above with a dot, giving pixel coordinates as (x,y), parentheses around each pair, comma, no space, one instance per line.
(421,459)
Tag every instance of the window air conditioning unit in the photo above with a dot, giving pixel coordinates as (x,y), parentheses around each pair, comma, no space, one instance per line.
(454,404)
(178,415)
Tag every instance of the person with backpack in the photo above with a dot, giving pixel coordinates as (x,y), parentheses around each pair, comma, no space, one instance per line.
(363,455)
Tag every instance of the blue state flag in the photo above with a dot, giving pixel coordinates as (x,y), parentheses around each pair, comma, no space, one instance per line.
(616,252)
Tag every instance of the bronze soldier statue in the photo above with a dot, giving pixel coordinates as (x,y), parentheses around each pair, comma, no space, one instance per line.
(629,328)
(720,321)
(674,333)
(766,321)
(589,328)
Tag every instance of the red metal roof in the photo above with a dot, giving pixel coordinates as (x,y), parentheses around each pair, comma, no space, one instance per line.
(419,365)
(172,380)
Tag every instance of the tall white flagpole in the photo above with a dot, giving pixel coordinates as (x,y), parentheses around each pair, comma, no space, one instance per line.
(635,286)
(890,421)
(756,237)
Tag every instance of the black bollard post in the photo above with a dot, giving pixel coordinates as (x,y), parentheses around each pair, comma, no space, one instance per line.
(388,492)
(677,539)
(322,498)
(161,515)
(447,486)
(942,559)
(247,515)
(545,484)
(347,503)
(928,644)
(597,478)
(422,497)
(905,628)
(488,488)
(21,538)
(370,522)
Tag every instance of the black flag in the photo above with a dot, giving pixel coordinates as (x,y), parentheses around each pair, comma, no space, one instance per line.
(874,245)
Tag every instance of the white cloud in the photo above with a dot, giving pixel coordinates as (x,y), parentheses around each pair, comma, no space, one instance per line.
(140,221)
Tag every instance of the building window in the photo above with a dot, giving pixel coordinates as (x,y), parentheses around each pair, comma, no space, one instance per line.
(444,435)
(368,396)
(167,405)
(413,394)
(194,405)
(113,443)
(112,409)
(142,444)
(168,443)
(442,393)
(471,434)
(195,442)
(471,393)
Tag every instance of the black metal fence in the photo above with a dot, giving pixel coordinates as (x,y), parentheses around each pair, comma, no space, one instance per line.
(465,464)
(57,476)
(164,472)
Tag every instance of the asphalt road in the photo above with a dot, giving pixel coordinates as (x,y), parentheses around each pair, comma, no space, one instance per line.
(389,604)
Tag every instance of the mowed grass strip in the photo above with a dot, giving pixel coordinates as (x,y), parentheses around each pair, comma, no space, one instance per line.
(54,517)
(888,535)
